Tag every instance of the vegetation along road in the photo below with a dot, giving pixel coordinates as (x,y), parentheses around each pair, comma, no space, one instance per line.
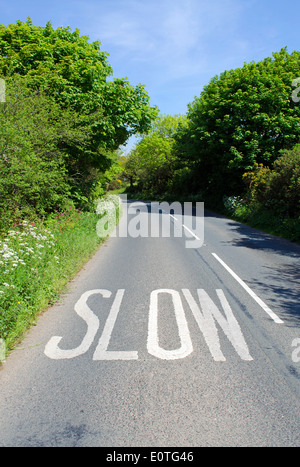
(179,327)
(169,336)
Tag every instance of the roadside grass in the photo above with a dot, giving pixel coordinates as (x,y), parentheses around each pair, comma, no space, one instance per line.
(36,263)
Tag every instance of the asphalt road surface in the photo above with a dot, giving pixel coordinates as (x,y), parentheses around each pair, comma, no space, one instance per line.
(162,342)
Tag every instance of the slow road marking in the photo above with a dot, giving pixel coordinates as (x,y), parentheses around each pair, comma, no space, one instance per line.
(206,313)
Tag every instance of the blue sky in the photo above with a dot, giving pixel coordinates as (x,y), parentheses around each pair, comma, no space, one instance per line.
(174,47)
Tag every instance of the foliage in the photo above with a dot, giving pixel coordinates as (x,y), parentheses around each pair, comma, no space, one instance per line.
(24,254)
(244,116)
(34,135)
(126,112)
(264,218)
(60,61)
(277,188)
(60,127)
(151,165)
(36,262)
(272,201)
(62,64)
(232,203)
(111,179)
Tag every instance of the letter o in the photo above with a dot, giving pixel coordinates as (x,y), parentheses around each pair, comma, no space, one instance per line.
(153,346)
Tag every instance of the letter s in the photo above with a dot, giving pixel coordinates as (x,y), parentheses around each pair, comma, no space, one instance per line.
(54,352)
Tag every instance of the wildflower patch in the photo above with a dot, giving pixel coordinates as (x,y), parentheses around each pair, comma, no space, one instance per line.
(25,253)
(37,262)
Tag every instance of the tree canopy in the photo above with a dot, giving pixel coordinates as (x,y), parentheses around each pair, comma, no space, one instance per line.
(152,163)
(75,71)
(61,66)
(244,116)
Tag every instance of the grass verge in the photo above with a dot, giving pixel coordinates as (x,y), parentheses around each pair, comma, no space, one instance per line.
(36,263)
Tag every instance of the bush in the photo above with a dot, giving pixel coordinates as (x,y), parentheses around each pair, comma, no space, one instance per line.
(232,203)
(284,185)
(278,188)
(272,202)
(33,173)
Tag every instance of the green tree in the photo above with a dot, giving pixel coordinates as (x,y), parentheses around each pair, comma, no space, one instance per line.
(244,116)
(35,136)
(152,162)
(75,72)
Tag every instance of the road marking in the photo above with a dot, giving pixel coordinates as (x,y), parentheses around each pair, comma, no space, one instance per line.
(153,346)
(185,227)
(250,291)
(53,351)
(191,232)
(207,314)
(101,352)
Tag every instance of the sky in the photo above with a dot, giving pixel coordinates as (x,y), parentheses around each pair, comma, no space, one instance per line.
(173,47)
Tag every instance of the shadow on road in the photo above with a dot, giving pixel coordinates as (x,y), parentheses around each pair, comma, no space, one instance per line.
(284,285)
(283,281)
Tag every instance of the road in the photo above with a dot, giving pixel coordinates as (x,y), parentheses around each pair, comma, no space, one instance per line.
(159,342)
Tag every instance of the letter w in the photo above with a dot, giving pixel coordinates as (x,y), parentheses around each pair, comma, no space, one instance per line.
(207,314)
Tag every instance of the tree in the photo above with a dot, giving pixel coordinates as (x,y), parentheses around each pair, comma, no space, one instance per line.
(75,72)
(151,164)
(244,116)
(34,132)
